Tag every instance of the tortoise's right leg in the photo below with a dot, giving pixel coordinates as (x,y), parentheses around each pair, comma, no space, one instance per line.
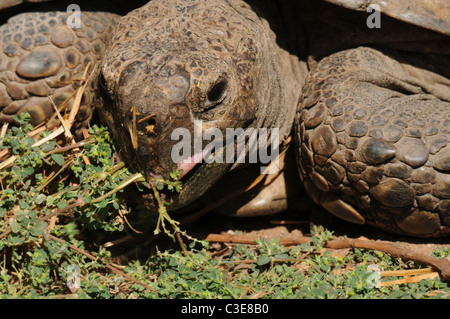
(42,56)
(374,142)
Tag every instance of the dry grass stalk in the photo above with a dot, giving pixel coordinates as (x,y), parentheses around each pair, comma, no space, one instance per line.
(410,280)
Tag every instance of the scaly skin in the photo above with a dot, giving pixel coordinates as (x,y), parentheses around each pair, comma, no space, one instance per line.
(42,57)
(373,142)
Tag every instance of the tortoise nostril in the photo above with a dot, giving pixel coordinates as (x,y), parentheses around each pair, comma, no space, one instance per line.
(149,122)
(150,128)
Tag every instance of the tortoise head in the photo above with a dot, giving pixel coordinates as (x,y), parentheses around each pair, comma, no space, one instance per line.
(175,70)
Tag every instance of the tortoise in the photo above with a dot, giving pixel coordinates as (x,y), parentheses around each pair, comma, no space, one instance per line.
(364,92)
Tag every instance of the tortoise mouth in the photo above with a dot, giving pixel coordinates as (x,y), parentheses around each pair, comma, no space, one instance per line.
(199,174)
(193,169)
(192,163)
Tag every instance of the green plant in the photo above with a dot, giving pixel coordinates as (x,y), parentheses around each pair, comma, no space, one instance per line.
(56,194)
(49,192)
(441,252)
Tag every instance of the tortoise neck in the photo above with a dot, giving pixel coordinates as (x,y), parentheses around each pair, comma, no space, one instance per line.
(285,65)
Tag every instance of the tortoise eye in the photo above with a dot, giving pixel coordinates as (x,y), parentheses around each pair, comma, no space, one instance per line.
(217,93)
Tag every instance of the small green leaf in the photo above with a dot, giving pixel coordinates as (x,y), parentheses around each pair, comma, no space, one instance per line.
(50,200)
(263,260)
(58,158)
(40,199)
(38,229)
(102,203)
(15,227)
(173,262)
(28,171)
(281,256)
(47,147)
(23,204)
(29,141)
(87,199)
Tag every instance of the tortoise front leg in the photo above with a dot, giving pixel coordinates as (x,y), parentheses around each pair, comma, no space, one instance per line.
(43,56)
(373,142)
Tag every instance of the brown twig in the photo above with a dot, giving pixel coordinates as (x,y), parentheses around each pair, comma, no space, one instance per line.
(69,147)
(124,217)
(442,266)
(180,242)
(250,240)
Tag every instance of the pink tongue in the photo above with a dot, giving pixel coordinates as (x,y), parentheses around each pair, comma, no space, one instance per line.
(189,163)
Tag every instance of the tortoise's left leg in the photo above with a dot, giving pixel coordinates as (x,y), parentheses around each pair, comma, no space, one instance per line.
(374,145)
(43,56)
